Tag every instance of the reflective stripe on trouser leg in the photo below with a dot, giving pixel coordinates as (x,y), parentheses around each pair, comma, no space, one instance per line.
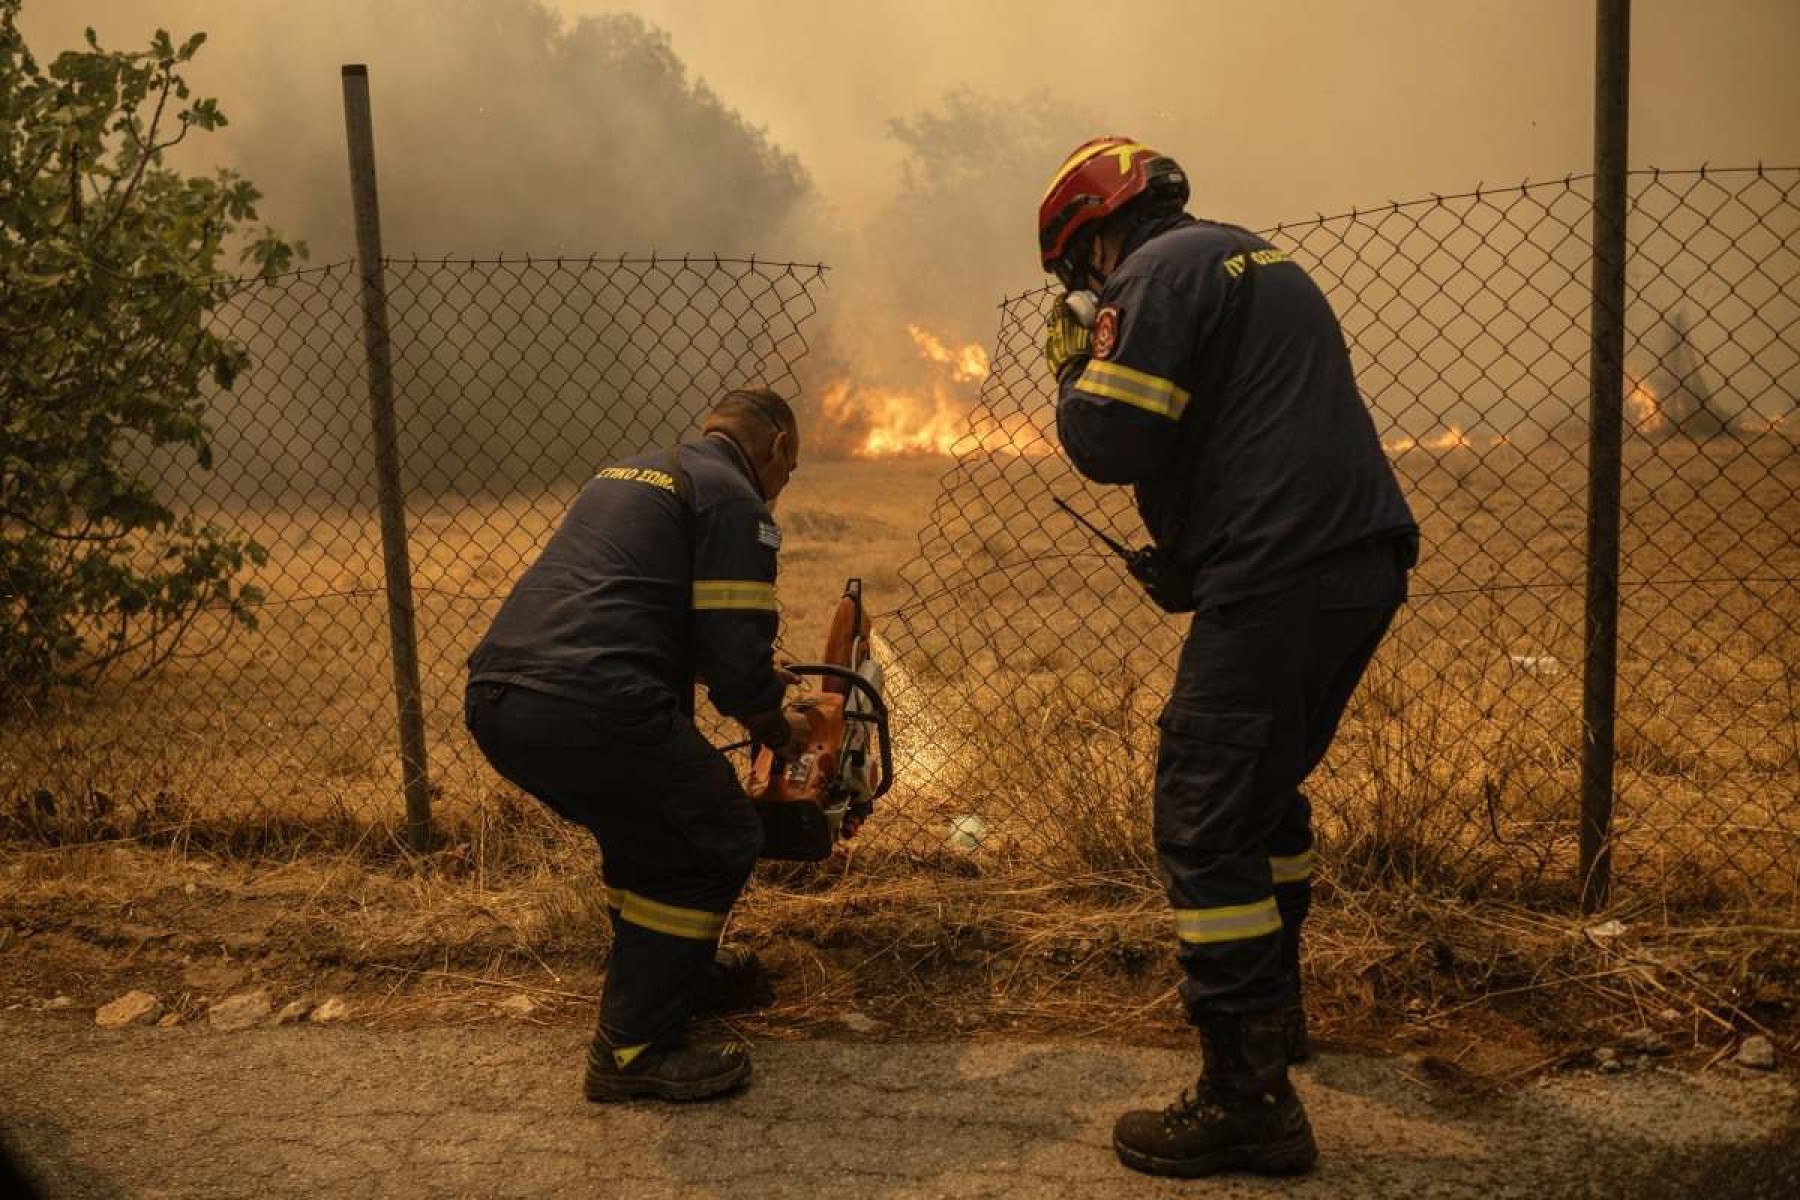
(1229,945)
(1212,825)
(660,956)
(1227,923)
(693,923)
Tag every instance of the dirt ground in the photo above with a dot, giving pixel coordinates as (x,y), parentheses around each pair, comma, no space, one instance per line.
(494,1110)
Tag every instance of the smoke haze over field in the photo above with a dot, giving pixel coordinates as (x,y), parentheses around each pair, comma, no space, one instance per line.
(499,125)
(906,143)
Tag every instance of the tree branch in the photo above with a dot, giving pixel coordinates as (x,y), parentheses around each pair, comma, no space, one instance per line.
(144,160)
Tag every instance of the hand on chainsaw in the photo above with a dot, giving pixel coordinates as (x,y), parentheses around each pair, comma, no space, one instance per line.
(783,730)
(799,733)
(1066,336)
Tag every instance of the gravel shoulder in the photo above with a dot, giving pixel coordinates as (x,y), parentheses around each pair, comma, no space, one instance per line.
(493,1109)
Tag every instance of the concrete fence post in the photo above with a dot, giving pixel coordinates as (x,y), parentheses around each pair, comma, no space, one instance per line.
(402,636)
(1606,400)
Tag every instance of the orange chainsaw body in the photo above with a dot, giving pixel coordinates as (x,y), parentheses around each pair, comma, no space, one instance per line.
(806,801)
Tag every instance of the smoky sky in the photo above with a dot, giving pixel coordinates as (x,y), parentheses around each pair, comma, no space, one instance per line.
(501,126)
(906,142)
(568,125)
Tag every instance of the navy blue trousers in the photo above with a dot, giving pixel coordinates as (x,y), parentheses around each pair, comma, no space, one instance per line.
(677,836)
(1260,689)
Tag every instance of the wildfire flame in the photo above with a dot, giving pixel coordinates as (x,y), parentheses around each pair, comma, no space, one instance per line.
(894,421)
(967,365)
(1643,412)
(1451,437)
(1642,408)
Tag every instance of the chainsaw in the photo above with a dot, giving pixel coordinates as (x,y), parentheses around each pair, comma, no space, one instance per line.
(825,792)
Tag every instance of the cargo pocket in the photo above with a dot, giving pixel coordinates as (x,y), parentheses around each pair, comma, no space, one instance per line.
(641,729)
(1206,769)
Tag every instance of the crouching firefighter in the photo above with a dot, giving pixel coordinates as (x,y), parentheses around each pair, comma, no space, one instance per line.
(1211,375)
(582,694)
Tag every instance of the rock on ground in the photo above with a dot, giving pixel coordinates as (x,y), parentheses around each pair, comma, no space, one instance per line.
(240,1012)
(333,1009)
(1757,1052)
(294,1010)
(133,1008)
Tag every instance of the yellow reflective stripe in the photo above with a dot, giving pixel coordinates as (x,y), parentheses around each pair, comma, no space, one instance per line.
(1232,923)
(1119,148)
(1292,869)
(615,898)
(623,1055)
(1152,393)
(734,593)
(694,923)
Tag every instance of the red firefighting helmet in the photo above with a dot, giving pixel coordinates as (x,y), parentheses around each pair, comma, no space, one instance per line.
(1100,178)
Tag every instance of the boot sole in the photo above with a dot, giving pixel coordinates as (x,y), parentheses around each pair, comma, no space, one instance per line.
(1295,1156)
(610,1089)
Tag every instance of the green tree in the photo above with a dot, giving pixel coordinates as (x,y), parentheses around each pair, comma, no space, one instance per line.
(110,264)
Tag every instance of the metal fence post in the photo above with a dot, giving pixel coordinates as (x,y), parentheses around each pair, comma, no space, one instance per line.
(1606,401)
(398,568)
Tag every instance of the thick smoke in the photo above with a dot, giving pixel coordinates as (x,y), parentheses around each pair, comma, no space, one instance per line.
(973,167)
(500,128)
(499,125)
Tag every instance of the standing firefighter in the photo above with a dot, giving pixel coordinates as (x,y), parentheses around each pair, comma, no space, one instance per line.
(1214,379)
(582,694)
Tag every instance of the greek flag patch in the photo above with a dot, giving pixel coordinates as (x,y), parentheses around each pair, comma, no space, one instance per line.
(769,534)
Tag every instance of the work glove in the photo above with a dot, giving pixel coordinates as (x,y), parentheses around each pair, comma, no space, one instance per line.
(783,730)
(799,731)
(1066,336)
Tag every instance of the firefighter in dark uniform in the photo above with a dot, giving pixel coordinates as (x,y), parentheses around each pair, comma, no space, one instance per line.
(582,692)
(1215,380)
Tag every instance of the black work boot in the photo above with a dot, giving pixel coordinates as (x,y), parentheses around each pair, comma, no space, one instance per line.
(653,1072)
(1243,1115)
(736,982)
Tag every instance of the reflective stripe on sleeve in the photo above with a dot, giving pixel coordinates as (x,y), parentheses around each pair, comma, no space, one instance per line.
(1152,393)
(693,923)
(1232,923)
(748,594)
(1292,869)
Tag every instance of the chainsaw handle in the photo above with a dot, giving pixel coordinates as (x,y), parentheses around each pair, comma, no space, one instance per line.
(879,718)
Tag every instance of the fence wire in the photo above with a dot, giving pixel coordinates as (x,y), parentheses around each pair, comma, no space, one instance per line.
(514,378)
(1026,669)
(1033,667)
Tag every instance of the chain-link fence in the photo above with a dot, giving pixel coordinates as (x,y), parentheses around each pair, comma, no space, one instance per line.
(514,379)
(1026,669)
(1032,667)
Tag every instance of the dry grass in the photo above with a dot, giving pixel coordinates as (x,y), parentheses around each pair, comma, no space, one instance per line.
(1025,700)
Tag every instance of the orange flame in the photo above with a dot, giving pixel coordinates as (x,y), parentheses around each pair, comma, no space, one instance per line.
(891,421)
(1451,437)
(896,423)
(967,365)
(1642,408)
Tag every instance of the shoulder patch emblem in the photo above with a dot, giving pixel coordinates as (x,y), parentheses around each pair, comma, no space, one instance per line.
(1106,331)
(768,534)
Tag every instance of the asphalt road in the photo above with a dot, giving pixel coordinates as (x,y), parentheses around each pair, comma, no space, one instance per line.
(493,1110)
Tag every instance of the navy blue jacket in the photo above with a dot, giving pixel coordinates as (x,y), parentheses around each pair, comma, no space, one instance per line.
(1286,469)
(640,591)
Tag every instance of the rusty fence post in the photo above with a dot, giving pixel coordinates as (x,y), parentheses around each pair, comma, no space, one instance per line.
(402,637)
(1599,686)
